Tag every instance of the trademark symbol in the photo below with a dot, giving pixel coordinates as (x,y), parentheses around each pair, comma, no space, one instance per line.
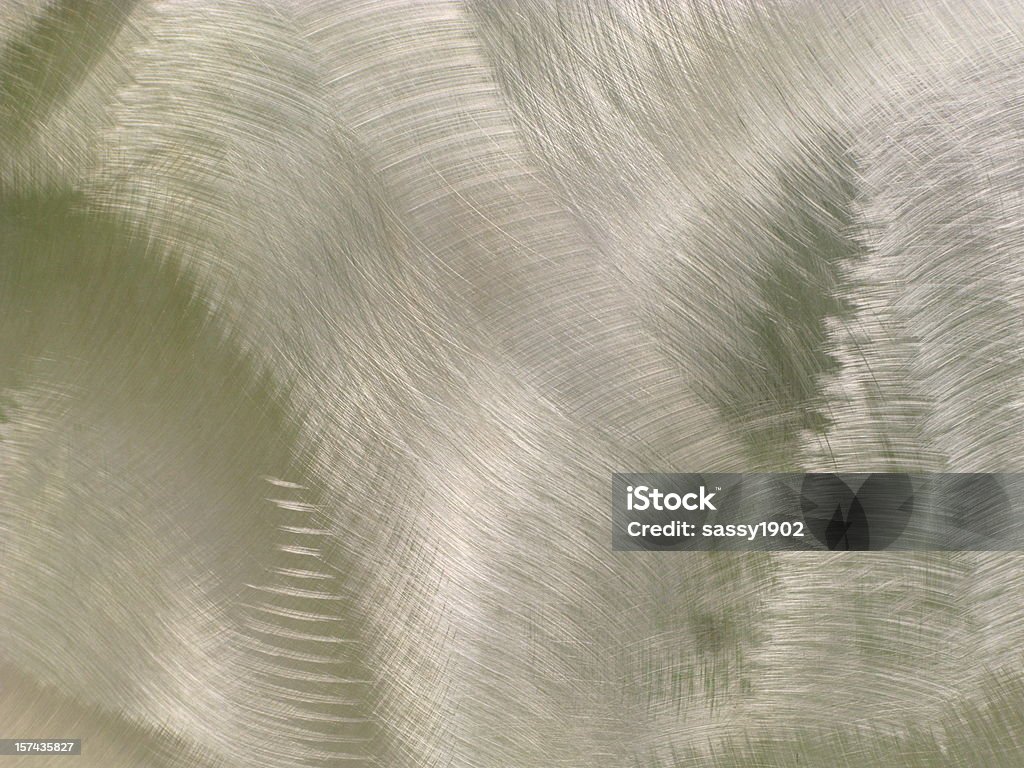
(718,487)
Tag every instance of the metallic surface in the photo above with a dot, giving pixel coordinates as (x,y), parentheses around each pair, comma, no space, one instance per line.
(324,323)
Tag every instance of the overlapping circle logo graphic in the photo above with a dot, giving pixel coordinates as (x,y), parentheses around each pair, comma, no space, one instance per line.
(871,517)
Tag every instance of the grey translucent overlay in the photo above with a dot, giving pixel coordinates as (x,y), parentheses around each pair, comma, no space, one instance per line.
(818,511)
